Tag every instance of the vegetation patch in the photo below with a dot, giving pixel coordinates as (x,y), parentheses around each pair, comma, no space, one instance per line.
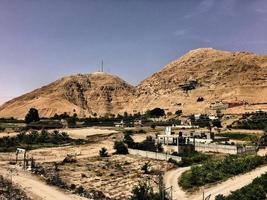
(98,177)
(256,190)
(35,139)
(257,120)
(190,159)
(239,136)
(214,171)
(149,144)
(10,191)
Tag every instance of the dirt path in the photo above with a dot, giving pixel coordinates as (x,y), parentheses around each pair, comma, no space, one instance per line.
(225,188)
(35,188)
(171,179)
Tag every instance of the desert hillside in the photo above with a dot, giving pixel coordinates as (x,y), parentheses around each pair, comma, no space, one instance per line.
(233,77)
(238,79)
(84,94)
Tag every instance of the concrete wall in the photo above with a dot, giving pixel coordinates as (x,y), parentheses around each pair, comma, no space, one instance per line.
(216,148)
(246,150)
(229,149)
(153,155)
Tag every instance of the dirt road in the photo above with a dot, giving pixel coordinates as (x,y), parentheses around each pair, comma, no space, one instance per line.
(225,188)
(35,188)
(171,179)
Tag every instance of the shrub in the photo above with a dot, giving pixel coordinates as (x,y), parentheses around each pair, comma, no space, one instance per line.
(149,144)
(128,140)
(178,112)
(56,181)
(146,167)
(120,147)
(11,191)
(192,158)
(103,152)
(143,191)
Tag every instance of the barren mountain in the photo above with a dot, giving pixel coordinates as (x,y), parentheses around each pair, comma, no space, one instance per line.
(85,95)
(233,77)
(193,83)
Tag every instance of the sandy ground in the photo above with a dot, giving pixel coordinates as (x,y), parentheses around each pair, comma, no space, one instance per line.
(78,133)
(82,133)
(56,154)
(262,152)
(36,188)
(225,188)
(4,134)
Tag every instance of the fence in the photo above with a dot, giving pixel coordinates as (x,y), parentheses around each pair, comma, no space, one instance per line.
(153,155)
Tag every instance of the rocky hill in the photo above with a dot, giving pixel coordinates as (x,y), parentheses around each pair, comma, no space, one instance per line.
(197,82)
(210,74)
(85,95)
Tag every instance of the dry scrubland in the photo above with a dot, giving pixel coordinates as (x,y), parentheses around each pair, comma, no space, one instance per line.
(115,176)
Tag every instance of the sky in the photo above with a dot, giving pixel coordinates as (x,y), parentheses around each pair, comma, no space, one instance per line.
(43,40)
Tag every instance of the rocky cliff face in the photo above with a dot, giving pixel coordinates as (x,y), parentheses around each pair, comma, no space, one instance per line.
(208,73)
(216,76)
(83,94)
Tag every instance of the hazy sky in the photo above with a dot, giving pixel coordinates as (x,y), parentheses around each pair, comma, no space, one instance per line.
(43,40)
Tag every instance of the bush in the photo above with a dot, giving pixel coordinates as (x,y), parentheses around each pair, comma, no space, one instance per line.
(56,181)
(11,191)
(120,147)
(178,112)
(149,144)
(146,168)
(153,126)
(143,191)
(128,140)
(103,152)
(192,158)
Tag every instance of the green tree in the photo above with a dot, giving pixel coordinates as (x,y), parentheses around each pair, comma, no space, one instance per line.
(156,112)
(72,122)
(32,116)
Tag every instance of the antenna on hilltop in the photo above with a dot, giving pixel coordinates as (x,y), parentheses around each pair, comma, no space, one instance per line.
(102,66)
